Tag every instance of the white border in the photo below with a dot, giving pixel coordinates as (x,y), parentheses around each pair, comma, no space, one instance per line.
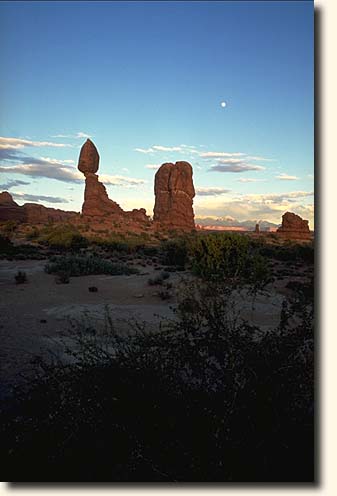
(327,298)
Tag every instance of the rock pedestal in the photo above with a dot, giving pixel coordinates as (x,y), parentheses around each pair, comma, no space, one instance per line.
(174,193)
(294,227)
(97,205)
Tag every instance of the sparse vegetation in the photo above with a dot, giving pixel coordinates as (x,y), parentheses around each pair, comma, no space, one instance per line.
(83,265)
(139,407)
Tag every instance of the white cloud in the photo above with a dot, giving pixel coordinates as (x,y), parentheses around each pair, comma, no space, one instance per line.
(161,148)
(120,180)
(286,177)
(16,143)
(152,166)
(211,191)
(225,166)
(220,154)
(76,135)
(144,150)
(249,180)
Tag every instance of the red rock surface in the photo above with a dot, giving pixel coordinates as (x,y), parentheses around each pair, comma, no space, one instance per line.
(174,192)
(97,206)
(9,210)
(294,227)
(88,161)
(38,214)
(31,213)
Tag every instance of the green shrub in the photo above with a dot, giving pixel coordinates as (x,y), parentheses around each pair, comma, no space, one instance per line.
(77,265)
(227,256)
(174,252)
(63,237)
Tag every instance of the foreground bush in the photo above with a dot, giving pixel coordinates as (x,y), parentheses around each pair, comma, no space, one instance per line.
(84,265)
(207,398)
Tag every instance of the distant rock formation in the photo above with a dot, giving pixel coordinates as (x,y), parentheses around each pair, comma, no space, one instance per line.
(97,205)
(257,229)
(294,227)
(174,193)
(31,213)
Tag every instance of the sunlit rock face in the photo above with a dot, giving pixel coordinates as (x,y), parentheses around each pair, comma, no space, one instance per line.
(294,227)
(174,193)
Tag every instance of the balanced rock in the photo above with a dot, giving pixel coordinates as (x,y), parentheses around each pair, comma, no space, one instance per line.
(97,205)
(294,227)
(174,193)
(88,161)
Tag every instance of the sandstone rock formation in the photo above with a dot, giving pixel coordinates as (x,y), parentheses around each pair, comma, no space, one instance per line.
(294,227)
(9,210)
(257,228)
(97,205)
(31,213)
(174,193)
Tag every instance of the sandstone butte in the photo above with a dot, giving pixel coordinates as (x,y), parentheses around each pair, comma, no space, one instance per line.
(294,227)
(174,193)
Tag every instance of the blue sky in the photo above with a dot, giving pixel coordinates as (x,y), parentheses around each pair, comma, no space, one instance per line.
(146,80)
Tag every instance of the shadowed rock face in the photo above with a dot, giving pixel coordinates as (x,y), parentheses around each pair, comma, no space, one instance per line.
(174,192)
(88,161)
(31,213)
(294,227)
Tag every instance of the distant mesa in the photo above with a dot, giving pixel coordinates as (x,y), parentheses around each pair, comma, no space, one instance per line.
(31,213)
(294,227)
(174,193)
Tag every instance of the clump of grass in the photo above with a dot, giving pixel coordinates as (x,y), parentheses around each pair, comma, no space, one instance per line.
(158,280)
(62,237)
(83,265)
(62,277)
(20,277)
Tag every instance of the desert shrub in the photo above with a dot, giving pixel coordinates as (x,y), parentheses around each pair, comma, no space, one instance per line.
(6,246)
(64,237)
(20,277)
(33,234)
(9,227)
(291,252)
(227,256)
(174,252)
(208,398)
(83,265)
(159,279)
(62,277)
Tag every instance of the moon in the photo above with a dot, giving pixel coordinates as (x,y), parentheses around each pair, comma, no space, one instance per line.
(223,104)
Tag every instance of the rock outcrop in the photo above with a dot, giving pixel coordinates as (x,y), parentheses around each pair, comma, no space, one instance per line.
(31,213)
(294,227)
(174,193)
(97,206)
(9,210)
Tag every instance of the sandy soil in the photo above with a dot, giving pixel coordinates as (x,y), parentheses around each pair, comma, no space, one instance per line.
(33,312)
